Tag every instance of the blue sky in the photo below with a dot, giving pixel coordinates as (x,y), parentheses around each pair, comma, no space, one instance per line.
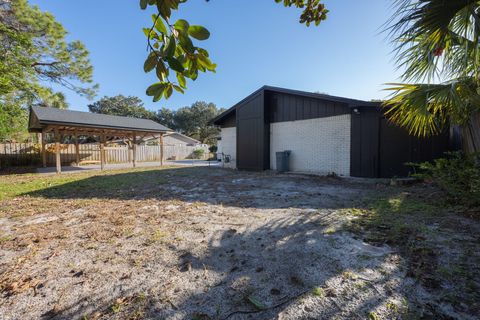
(253,42)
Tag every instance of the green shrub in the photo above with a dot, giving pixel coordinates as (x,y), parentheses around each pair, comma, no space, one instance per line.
(198,153)
(457,174)
(213,149)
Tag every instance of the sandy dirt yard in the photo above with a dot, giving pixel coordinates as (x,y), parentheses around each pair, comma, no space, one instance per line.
(211,243)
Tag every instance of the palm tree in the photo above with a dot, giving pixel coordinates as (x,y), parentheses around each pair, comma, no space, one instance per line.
(437,46)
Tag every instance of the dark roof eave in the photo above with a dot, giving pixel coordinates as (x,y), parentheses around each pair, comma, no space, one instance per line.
(352,103)
(222,115)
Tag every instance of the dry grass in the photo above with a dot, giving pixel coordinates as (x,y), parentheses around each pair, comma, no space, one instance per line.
(182,243)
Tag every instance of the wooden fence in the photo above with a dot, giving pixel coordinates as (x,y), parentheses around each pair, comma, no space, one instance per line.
(25,154)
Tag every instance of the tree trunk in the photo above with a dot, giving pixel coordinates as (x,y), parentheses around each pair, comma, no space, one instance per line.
(471,135)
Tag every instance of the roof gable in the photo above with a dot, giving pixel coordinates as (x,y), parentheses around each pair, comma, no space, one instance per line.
(182,137)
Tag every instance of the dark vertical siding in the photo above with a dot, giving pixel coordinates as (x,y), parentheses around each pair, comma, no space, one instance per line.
(397,148)
(289,107)
(364,144)
(252,134)
(381,149)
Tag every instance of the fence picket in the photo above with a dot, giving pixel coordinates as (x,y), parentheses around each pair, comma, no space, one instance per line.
(21,154)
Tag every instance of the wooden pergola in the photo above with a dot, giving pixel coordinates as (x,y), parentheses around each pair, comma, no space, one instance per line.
(63,123)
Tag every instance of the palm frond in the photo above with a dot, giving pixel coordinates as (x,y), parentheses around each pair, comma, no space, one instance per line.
(424,109)
(424,32)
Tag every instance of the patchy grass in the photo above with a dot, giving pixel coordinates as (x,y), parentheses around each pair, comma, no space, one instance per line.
(90,183)
(389,219)
(439,248)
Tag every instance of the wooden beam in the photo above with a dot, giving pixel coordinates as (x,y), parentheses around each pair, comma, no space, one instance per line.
(160,143)
(77,149)
(58,160)
(102,152)
(44,151)
(134,150)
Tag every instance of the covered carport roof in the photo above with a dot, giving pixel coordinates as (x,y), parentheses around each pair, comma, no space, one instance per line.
(41,118)
(73,123)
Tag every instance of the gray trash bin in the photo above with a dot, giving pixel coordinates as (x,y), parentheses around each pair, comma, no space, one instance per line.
(283,163)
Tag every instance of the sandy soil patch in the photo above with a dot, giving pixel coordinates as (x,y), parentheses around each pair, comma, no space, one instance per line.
(203,243)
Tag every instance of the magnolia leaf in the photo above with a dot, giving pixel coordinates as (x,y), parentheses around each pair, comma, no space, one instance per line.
(155,88)
(159,25)
(203,51)
(169,50)
(161,71)
(181,25)
(150,62)
(164,9)
(181,80)
(199,32)
(175,64)
(186,43)
(168,91)
(204,61)
(178,88)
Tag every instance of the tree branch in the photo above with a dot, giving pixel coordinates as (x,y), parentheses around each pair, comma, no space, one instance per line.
(35,64)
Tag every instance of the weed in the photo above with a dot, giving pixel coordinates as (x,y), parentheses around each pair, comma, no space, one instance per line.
(156,236)
(116,307)
(5,238)
(392,307)
(349,275)
(318,292)
(356,212)
(330,230)
(128,232)
(372,315)
(360,284)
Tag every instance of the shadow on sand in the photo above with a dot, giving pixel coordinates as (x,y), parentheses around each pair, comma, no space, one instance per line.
(257,271)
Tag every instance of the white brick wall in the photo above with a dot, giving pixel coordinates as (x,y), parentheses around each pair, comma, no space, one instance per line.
(318,145)
(228,145)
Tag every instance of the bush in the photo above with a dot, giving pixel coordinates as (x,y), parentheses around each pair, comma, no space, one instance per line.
(198,153)
(213,149)
(457,174)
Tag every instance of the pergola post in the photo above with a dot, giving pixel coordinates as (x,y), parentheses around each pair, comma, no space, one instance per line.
(58,161)
(77,149)
(129,153)
(160,143)
(134,150)
(44,153)
(102,151)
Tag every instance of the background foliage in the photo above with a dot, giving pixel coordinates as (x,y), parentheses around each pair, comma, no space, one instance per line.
(34,52)
(192,121)
(458,175)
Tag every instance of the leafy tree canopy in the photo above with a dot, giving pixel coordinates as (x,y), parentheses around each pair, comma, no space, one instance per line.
(13,121)
(192,121)
(166,117)
(174,46)
(121,106)
(33,52)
